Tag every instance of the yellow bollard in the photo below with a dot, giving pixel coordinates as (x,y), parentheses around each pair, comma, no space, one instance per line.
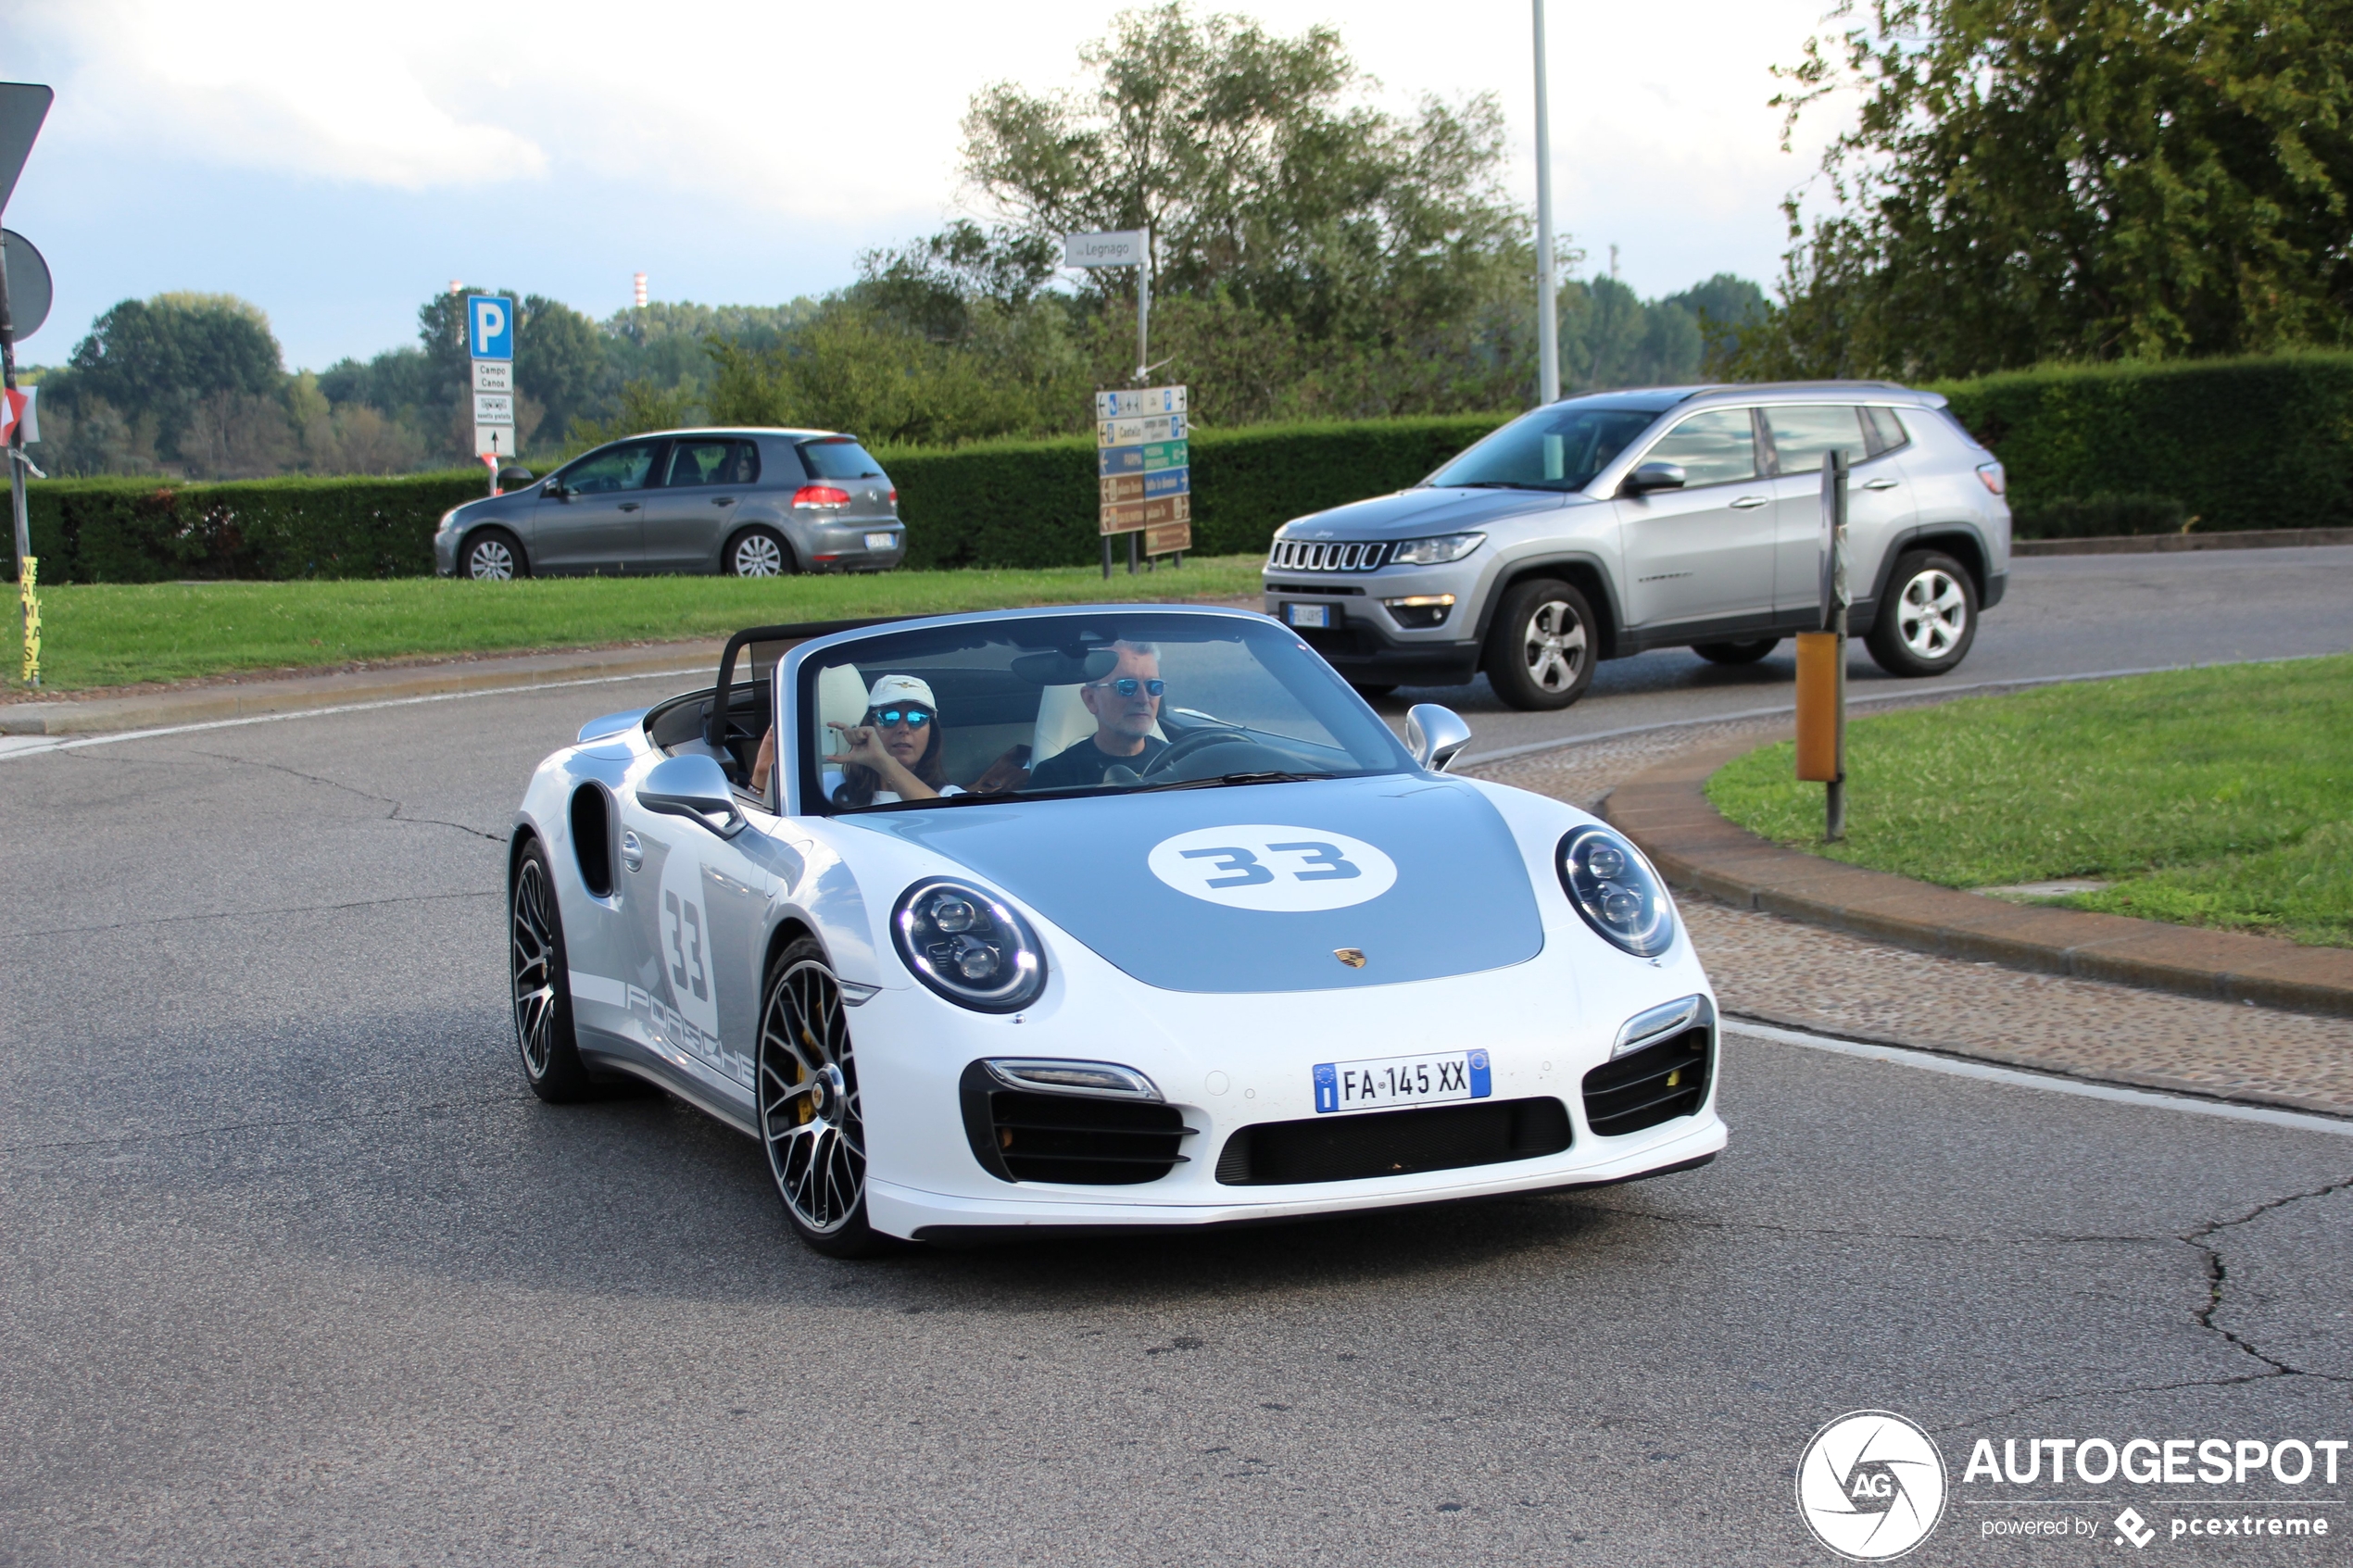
(31,601)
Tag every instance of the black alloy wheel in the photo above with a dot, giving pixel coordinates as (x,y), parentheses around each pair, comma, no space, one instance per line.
(1540,650)
(760,552)
(492,555)
(1927,621)
(542,987)
(1736,653)
(810,1118)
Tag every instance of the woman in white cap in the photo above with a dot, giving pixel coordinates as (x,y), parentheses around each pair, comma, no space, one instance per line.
(895,755)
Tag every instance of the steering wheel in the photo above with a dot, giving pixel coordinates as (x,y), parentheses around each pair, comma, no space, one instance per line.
(1196,740)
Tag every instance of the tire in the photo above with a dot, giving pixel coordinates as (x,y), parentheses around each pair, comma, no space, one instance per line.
(1372,691)
(810,1121)
(1539,649)
(1928,620)
(1736,653)
(492,555)
(541,986)
(758,552)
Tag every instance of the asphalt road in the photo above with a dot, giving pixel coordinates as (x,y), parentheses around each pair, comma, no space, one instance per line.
(2064,615)
(293,1268)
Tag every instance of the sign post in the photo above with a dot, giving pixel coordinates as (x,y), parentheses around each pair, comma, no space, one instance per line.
(23,106)
(490,342)
(1821,662)
(1143,471)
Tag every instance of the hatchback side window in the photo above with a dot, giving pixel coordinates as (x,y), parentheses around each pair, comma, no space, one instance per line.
(1714,447)
(712,462)
(1803,433)
(622,468)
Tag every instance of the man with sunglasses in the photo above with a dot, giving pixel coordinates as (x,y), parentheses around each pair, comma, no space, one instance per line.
(1126,704)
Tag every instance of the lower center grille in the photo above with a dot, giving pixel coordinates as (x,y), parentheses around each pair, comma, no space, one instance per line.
(1394,1143)
(1021,1136)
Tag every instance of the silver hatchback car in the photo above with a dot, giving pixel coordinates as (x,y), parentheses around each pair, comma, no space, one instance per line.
(741,502)
(1612,523)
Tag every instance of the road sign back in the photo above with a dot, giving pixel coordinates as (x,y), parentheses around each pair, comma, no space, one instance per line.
(28,289)
(23,106)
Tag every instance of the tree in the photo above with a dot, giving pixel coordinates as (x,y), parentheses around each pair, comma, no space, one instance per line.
(159,359)
(559,360)
(2092,179)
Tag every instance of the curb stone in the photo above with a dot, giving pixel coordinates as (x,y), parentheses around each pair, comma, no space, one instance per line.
(1665,810)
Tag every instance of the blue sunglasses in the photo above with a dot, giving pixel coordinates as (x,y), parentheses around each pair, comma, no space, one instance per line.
(888,717)
(1128,686)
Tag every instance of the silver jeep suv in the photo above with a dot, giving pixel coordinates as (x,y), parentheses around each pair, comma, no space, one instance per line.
(1606,525)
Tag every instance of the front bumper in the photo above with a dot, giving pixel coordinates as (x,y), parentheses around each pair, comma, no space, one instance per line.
(445,553)
(1365,641)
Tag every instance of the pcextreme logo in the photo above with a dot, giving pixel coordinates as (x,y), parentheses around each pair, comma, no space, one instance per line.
(1870,1485)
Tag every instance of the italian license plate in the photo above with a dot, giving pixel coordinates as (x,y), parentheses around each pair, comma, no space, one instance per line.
(1308,615)
(1387,1082)
(881,541)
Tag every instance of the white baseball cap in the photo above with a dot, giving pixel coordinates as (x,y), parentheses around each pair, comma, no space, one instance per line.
(900,688)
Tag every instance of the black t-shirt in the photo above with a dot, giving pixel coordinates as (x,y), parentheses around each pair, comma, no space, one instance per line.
(1084,763)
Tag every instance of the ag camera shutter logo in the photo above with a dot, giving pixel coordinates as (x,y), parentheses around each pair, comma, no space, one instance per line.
(1271,867)
(1872,1485)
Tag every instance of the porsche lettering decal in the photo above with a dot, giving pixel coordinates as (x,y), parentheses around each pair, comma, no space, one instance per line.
(1273,867)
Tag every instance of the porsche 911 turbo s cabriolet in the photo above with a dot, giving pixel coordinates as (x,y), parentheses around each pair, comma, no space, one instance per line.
(1096,920)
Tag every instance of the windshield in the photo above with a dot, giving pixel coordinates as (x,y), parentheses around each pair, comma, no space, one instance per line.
(1554,448)
(1067,706)
(839,456)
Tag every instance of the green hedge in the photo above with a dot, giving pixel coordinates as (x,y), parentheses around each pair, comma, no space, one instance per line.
(1033,503)
(150,531)
(2234,444)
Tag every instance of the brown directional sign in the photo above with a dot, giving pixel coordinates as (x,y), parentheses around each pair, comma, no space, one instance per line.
(1167,538)
(1127,516)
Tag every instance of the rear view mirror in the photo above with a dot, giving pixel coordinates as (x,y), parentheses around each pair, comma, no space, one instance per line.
(554,490)
(1653,476)
(1435,735)
(692,786)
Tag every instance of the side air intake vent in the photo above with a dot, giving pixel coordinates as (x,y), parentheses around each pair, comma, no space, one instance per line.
(1075,1139)
(1394,1143)
(1654,1085)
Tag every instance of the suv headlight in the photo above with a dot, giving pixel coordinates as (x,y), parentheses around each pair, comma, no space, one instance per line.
(968,945)
(1435,552)
(1616,891)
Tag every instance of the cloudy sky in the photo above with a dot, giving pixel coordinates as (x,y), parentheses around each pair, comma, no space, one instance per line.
(336,163)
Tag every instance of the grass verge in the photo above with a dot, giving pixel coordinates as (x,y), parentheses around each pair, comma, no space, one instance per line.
(103,636)
(2219,797)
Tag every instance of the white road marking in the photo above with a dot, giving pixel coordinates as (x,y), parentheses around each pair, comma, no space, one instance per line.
(2157,1099)
(32,745)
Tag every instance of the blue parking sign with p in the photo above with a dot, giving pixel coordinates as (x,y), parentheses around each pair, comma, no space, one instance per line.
(490,326)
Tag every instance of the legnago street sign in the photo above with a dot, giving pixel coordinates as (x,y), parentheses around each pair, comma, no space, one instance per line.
(490,341)
(1116,247)
(1143,466)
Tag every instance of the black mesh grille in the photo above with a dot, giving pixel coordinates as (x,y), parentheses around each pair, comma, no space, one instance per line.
(1326,555)
(1654,1085)
(1022,1136)
(1341,641)
(1394,1143)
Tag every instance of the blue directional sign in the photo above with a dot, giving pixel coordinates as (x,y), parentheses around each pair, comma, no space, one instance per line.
(490,326)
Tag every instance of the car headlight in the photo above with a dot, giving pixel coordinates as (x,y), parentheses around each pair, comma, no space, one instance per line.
(448,518)
(968,945)
(1616,891)
(1435,552)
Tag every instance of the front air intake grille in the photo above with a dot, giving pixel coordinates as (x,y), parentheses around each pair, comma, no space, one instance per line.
(1326,555)
(1339,641)
(1654,1085)
(1022,1136)
(1394,1143)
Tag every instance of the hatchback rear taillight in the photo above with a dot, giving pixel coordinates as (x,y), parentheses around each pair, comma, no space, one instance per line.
(1991,475)
(820,495)
(894,498)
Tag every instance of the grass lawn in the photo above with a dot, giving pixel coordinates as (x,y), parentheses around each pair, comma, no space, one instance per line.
(2219,797)
(102,635)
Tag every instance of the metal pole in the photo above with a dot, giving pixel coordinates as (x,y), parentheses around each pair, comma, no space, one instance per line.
(1144,311)
(1548,342)
(1834,792)
(1133,535)
(15,461)
(1106,558)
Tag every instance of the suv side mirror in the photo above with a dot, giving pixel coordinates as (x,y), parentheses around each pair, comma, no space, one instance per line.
(1653,476)
(692,786)
(1435,735)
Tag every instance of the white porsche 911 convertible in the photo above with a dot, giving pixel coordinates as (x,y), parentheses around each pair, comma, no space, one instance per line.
(1097,920)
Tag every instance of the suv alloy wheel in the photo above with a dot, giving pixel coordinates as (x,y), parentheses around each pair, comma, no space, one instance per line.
(1925,625)
(1539,649)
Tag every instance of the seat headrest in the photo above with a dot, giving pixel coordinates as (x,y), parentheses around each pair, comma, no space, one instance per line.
(841,699)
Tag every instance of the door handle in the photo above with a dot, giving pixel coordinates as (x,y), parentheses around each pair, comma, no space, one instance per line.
(1748,503)
(628,505)
(633,853)
(1879,485)
(724,501)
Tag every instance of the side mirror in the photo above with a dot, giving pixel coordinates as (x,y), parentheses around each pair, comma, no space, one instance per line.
(1653,476)
(693,787)
(554,490)
(1435,735)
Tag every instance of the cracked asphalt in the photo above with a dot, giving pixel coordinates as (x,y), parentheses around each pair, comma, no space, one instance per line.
(293,1269)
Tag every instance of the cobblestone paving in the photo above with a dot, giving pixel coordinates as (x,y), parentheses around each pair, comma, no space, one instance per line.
(1784,971)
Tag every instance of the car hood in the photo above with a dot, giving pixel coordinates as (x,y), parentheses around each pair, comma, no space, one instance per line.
(1460,901)
(1416,513)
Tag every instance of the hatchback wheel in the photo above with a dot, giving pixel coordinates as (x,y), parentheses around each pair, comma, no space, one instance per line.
(810,1118)
(1928,618)
(758,552)
(492,555)
(542,987)
(1540,650)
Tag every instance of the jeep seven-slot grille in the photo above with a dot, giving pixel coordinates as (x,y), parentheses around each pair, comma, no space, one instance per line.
(1023,1135)
(1654,1085)
(1394,1143)
(1321,555)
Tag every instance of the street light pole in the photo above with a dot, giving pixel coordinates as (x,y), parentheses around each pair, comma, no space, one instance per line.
(1548,342)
